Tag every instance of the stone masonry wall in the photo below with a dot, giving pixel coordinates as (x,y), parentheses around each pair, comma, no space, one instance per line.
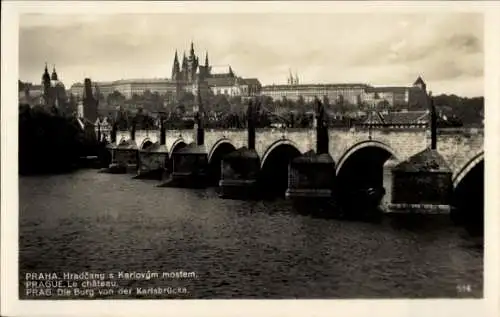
(457,146)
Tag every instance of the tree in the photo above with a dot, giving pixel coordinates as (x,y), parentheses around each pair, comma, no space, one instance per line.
(469,111)
(59,138)
(339,105)
(301,105)
(221,104)
(115,98)
(236,103)
(147,94)
(326,102)
(186,100)
(135,97)
(383,105)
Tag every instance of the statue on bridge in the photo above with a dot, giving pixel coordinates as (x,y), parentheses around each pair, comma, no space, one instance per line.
(251,118)
(198,118)
(321,128)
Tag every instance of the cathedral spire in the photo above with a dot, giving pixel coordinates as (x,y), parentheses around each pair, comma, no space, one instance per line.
(206,59)
(191,52)
(54,73)
(46,76)
(175,67)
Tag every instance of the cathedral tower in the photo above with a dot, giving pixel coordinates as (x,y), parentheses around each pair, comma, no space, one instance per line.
(175,68)
(46,86)
(54,74)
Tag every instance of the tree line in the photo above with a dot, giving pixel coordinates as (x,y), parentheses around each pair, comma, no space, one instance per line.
(460,110)
(50,142)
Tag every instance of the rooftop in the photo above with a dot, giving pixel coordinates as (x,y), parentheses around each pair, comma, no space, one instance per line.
(398,118)
(252,81)
(308,86)
(220,69)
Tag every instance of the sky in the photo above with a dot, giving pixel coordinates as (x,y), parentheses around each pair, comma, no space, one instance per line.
(381,49)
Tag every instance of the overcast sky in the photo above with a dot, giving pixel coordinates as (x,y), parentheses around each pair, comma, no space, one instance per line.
(446,49)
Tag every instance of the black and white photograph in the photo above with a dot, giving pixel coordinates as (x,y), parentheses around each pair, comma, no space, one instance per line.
(177,155)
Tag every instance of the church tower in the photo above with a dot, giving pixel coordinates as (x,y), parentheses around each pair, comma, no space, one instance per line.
(192,65)
(420,84)
(184,67)
(175,67)
(54,74)
(46,86)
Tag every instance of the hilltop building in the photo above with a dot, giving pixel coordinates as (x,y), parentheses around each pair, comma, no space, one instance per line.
(186,75)
(352,93)
(217,80)
(53,90)
(51,93)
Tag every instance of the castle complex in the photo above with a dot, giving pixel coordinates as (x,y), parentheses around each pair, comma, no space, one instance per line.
(190,74)
(186,75)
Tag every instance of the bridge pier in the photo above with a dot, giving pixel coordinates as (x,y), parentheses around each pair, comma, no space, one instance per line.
(125,156)
(311,177)
(190,164)
(422,184)
(240,169)
(152,159)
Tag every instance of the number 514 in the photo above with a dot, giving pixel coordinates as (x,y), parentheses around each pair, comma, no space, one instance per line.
(464,288)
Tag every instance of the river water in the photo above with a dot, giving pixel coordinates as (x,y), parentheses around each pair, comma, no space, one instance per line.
(103,223)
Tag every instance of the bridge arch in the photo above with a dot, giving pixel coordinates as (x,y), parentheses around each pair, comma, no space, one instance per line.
(361,145)
(273,179)
(122,140)
(146,143)
(218,144)
(468,196)
(467,168)
(275,145)
(220,149)
(360,168)
(176,146)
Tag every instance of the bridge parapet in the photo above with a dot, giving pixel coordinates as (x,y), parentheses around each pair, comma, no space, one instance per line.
(458,146)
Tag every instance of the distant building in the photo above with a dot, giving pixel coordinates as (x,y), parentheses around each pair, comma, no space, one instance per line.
(129,87)
(355,93)
(185,77)
(219,80)
(234,86)
(348,92)
(51,93)
(53,90)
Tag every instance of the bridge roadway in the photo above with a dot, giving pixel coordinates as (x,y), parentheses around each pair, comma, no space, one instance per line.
(462,148)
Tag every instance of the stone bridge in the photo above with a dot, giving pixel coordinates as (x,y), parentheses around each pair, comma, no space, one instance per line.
(462,148)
